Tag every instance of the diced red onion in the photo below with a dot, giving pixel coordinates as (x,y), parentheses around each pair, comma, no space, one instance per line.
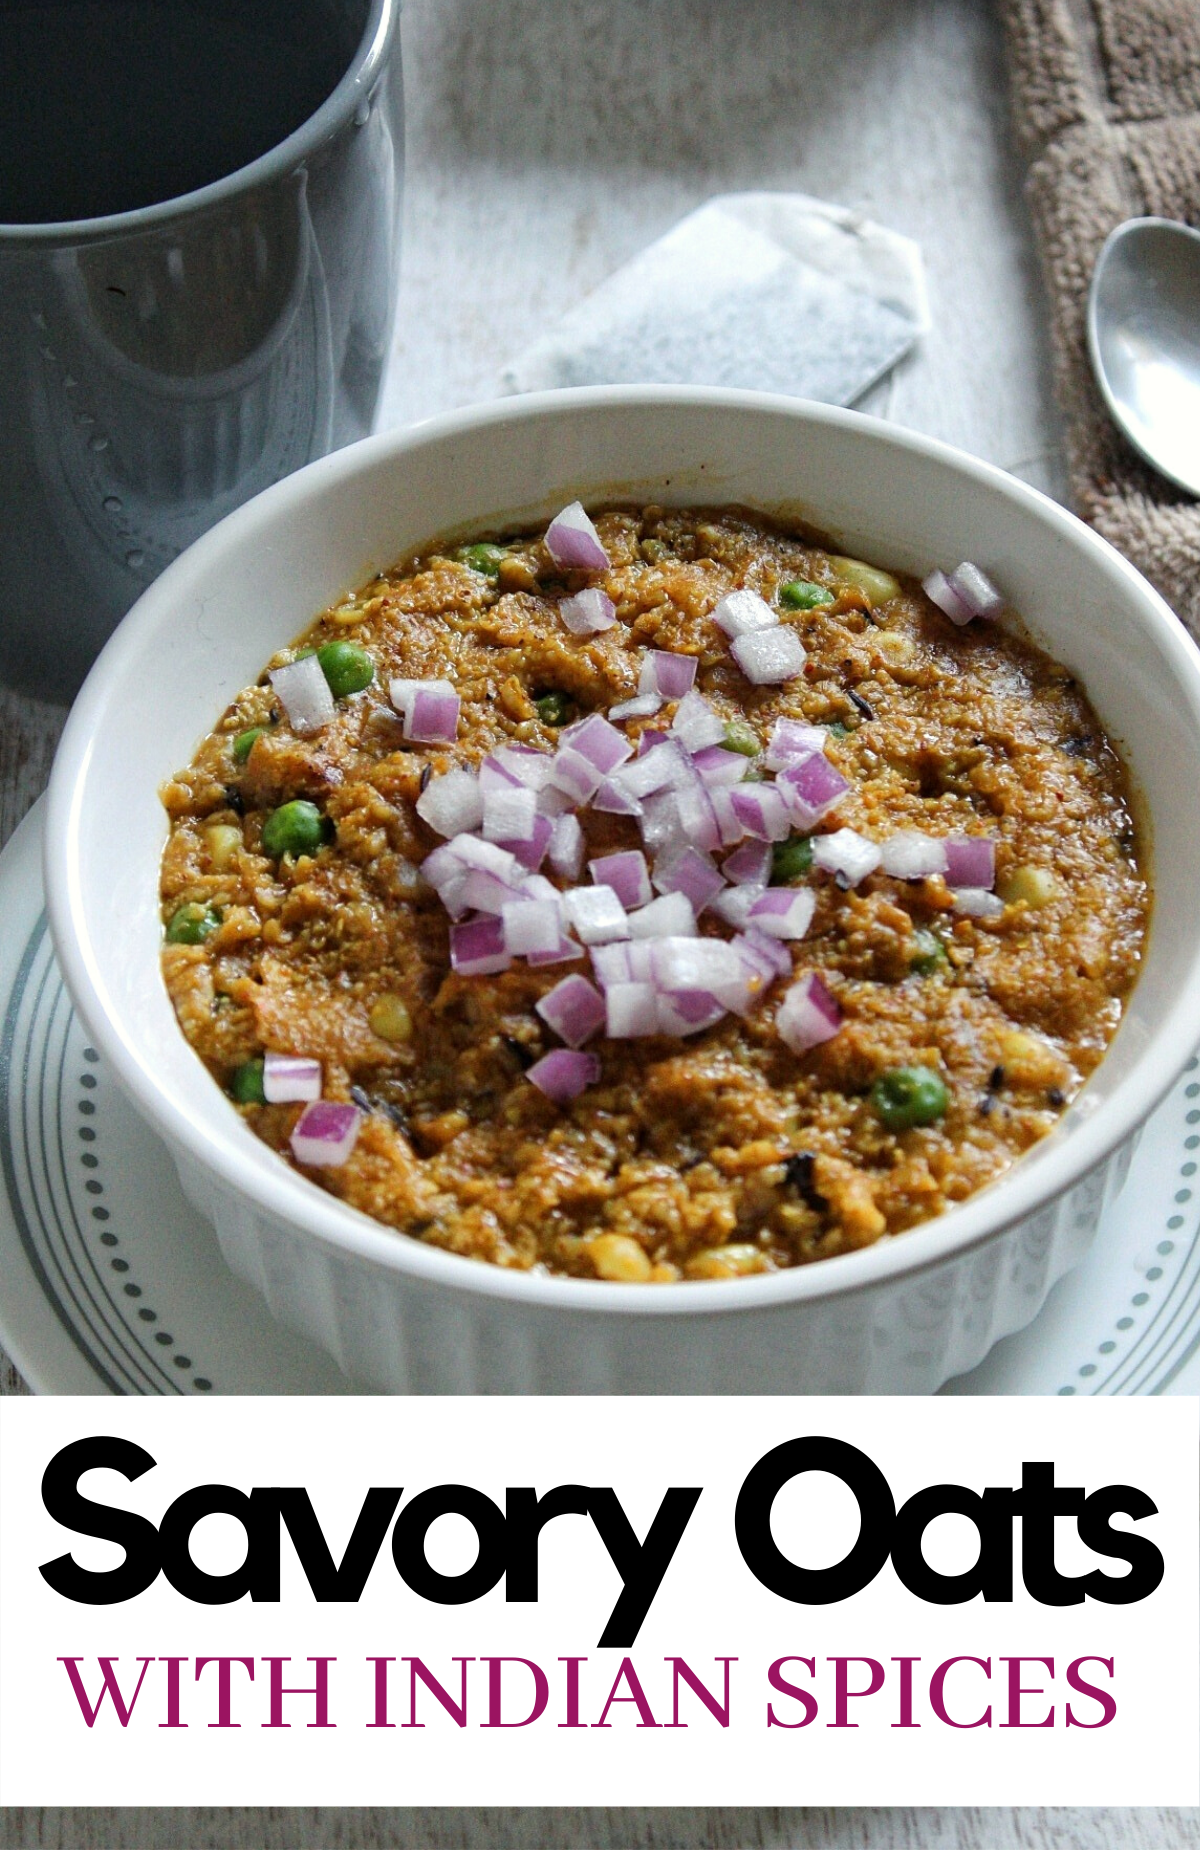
(575,774)
(742,613)
(611,964)
(791,740)
(565,952)
(627,875)
(911,855)
(478,948)
(762,809)
(478,891)
(572,541)
(495,775)
(975,902)
(588,612)
(769,951)
(696,963)
(452,895)
(749,865)
(975,589)
(574,1009)
(612,800)
(563,1074)
(531,925)
(691,873)
(642,706)
(734,904)
(651,737)
(697,818)
(808,1014)
(453,803)
(509,813)
(667,674)
(731,826)
(769,657)
(432,717)
(783,911)
(688,1011)
(531,853)
(670,916)
(553,802)
(718,766)
(760,970)
(596,914)
(845,854)
(523,763)
(289,1077)
(811,788)
(695,724)
(938,588)
(566,847)
(660,824)
(970,860)
(631,1010)
(650,772)
(472,851)
(304,694)
(602,745)
(325,1134)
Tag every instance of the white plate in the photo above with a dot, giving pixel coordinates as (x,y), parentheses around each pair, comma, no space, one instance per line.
(110,1281)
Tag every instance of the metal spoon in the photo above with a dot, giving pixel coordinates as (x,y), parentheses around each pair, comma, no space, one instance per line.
(1144,338)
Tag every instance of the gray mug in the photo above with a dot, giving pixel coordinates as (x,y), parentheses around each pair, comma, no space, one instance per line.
(199,224)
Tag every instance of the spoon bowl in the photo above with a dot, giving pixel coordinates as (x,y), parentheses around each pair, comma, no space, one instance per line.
(1144,339)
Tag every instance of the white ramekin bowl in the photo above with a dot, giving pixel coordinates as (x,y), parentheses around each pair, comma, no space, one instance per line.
(901,1316)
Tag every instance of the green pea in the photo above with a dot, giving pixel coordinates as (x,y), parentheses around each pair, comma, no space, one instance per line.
(192,923)
(297,827)
(802,594)
(928,954)
(554,708)
(739,737)
(346,667)
(907,1096)
(482,557)
(246,1086)
(790,859)
(243,745)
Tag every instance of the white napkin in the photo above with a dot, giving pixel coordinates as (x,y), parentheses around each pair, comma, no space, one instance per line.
(774,292)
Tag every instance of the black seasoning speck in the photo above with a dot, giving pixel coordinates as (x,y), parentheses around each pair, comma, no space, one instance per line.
(233,800)
(524,1056)
(985,1105)
(1055,1097)
(996,1078)
(426,774)
(867,711)
(798,1174)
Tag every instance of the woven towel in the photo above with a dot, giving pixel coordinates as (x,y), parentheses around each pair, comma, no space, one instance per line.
(1106,100)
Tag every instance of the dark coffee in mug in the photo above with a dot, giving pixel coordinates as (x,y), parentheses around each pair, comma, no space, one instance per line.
(112,105)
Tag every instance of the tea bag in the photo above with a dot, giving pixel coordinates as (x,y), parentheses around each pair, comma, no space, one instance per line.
(772,292)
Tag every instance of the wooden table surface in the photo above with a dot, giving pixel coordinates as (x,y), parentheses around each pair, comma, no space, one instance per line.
(546,144)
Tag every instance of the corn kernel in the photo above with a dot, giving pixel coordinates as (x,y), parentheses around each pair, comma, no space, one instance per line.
(224,843)
(615,1256)
(879,586)
(733,1261)
(1035,885)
